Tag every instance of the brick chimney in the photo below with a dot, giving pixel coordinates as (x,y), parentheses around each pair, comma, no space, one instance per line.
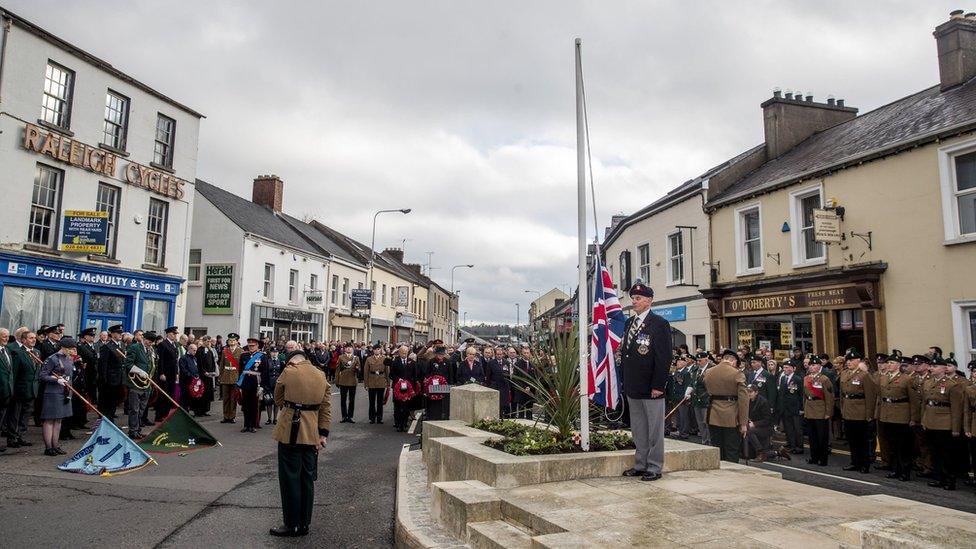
(614,221)
(956,43)
(415,269)
(267,191)
(790,119)
(395,253)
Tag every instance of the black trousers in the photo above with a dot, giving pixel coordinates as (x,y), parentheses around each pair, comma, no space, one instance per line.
(899,438)
(297,473)
(401,411)
(793,425)
(857,438)
(376,404)
(108,399)
(819,440)
(249,407)
(943,449)
(728,440)
(347,401)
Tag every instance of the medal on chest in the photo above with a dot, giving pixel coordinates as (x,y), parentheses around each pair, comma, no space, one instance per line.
(792,388)
(643,343)
(856,381)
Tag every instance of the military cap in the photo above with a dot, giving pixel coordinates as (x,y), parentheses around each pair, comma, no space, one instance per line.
(921,359)
(703,354)
(937,360)
(437,342)
(440,350)
(150,335)
(881,357)
(232,335)
(172,330)
(115,329)
(972,364)
(639,288)
(951,361)
(254,339)
(67,343)
(87,332)
(43,330)
(814,359)
(754,356)
(852,354)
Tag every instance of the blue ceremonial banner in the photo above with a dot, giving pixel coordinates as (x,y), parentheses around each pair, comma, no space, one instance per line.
(108,451)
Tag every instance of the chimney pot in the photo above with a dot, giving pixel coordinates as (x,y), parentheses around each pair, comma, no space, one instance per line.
(955,14)
(956,46)
(840,102)
(830,100)
(777,92)
(789,94)
(396,253)
(809,97)
(268,190)
(971,15)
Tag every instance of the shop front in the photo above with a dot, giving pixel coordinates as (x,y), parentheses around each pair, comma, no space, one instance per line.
(282,323)
(405,324)
(825,312)
(35,291)
(345,327)
(380,330)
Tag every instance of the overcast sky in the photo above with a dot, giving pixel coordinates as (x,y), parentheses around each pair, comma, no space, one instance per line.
(464,111)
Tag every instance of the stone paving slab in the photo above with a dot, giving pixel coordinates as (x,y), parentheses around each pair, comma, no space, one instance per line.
(415,526)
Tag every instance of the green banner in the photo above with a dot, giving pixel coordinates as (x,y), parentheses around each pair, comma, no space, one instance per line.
(218,284)
(178,433)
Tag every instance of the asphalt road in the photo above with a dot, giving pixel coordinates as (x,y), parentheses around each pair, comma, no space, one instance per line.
(216,497)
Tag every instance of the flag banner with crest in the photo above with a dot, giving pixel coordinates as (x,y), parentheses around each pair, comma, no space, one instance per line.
(179,432)
(607,328)
(107,452)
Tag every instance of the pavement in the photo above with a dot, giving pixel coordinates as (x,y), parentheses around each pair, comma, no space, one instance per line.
(215,497)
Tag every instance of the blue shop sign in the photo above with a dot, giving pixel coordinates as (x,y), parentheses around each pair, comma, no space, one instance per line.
(672,314)
(122,280)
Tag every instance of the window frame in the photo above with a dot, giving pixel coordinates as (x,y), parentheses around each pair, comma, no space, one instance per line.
(267,284)
(625,262)
(642,266)
(190,265)
(334,293)
(161,244)
(69,96)
(293,286)
(797,242)
(671,281)
(54,231)
(345,292)
(963,340)
(741,258)
(124,125)
(170,146)
(113,218)
(950,194)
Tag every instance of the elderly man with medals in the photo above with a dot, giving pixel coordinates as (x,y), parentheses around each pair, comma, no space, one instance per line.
(645,360)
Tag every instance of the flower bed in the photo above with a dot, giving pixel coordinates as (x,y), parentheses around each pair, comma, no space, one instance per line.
(523,440)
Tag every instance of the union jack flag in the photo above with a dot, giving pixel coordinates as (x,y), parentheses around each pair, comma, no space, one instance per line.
(607,329)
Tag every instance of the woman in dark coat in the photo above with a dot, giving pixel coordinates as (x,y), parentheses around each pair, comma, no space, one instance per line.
(55,376)
(189,371)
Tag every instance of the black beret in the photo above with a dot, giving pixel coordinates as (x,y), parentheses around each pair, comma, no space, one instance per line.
(67,342)
(702,354)
(440,350)
(639,288)
(814,359)
(293,354)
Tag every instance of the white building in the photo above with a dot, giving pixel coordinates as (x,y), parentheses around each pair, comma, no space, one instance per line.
(256,270)
(79,136)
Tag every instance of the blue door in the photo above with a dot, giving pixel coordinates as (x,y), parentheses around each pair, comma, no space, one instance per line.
(106,310)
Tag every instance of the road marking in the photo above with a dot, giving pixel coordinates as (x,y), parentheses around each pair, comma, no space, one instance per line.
(821,474)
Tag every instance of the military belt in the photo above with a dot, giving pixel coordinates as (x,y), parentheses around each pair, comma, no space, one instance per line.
(935,404)
(377,372)
(890,400)
(300,407)
(729,398)
(296,419)
(854,396)
(813,398)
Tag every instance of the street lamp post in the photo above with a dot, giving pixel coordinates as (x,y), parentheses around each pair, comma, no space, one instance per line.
(454,328)
(518,316)
(369,273)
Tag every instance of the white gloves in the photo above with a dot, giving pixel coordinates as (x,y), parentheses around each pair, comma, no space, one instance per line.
(62,382)
(139,372)
(688,392)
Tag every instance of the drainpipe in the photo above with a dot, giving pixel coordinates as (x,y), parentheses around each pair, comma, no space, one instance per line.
(3,49)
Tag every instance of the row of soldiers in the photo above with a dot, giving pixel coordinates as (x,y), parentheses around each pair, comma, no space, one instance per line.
(920,410)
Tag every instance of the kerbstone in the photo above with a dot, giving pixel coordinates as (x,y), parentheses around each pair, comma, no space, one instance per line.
(472,402)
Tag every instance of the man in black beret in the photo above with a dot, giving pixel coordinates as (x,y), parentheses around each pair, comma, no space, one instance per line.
(645,352)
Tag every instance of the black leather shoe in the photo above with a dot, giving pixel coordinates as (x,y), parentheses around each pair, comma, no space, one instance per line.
(634,473)
(650,477)
(822,463)
(812,461)
(866,469)
(935,483)
(284,532)
(892,475)
(905,478)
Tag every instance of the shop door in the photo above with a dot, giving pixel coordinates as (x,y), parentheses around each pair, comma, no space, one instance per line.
(282,331)
(106,310)
(850,330)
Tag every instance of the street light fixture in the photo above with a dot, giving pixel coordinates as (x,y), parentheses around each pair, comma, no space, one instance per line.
(454,294)
(369,273)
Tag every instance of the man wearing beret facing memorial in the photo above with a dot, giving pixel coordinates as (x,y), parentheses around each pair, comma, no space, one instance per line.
(645,352)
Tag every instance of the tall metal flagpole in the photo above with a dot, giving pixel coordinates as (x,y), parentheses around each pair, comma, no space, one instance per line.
(581,310)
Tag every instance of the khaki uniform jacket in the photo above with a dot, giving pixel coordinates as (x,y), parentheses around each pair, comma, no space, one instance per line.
(377,373)
(859,395)
(897,402)
(303,383)
(228,373)
(942,404)
(818,408)
(724,380)
(346,369)
(969,413)
(917,381)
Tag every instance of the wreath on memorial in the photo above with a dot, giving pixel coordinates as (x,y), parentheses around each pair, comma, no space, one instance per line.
(196,388)
(403,390)
(441,380)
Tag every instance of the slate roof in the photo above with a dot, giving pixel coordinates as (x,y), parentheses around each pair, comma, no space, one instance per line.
(920,117)
(362,253)
(319,239)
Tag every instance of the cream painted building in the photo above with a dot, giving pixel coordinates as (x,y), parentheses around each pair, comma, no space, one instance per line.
(901,181)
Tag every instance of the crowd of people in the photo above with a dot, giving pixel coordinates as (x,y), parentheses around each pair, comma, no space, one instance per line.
(897,413)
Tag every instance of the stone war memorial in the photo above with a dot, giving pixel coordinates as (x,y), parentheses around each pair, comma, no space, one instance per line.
(457,492)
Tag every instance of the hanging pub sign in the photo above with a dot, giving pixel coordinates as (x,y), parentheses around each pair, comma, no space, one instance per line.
(218,283)
(826,226)
(403,296)
(85,232)
(313,297)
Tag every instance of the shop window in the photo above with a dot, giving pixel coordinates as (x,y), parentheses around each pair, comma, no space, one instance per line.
(313,282)
(293,286)
(165,139)
(56,102)
(334,298)
(965,191)
(373,292)
(193,268)
(957,176)
(107,200)
(266,328)
(42,227)
(156,232)
(972,334)
(806,250)
(32,307)
(748,237)
(116,120)
(644,263)
(676,258)
(383,296)
(106,304)
(155,315)
(624,283)
(345,292)
(268,288)
(700,342)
